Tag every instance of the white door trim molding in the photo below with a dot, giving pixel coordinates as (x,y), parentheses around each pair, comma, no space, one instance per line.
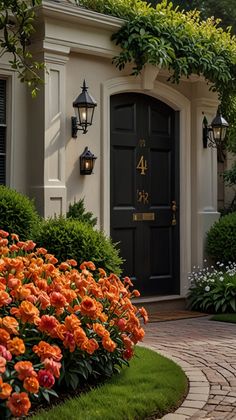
(179,103)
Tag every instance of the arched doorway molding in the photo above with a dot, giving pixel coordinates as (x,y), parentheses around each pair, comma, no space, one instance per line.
(179,103)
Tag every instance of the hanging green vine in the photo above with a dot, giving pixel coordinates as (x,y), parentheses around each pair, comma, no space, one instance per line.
(180,42)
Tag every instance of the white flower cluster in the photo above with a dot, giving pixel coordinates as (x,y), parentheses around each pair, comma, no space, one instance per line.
(205,277)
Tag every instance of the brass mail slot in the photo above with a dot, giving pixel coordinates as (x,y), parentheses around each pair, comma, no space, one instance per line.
(140,217)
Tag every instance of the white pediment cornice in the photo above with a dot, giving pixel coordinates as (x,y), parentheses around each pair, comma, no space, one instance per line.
(67,11)
(74,28)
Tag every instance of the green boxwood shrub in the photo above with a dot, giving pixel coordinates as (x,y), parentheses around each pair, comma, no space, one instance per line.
(17,213)
(69,238)
(77,211)
(221,239)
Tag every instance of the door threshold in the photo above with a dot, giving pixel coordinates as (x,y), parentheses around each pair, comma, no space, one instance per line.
(161,303)
(153,299)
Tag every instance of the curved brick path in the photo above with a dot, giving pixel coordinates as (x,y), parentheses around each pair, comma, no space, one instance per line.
(206,350)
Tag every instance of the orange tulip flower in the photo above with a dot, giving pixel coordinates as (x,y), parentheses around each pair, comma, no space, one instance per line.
(3,363)
(24,369)
(16,346)
(31,384)
(19,404)
(5,390)
(10,324)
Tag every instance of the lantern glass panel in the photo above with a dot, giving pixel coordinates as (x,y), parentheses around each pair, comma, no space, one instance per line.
(217,133)
(82,115)
(90,112)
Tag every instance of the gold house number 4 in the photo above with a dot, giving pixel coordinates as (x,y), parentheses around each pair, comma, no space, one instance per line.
(142,165)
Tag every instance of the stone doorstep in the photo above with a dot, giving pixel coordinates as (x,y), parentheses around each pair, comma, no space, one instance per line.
(161,303)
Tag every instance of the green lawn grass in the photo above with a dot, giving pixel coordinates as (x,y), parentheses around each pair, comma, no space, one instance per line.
(225,318)
(151,384)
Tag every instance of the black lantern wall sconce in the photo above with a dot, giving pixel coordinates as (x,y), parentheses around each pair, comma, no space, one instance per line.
(213,135)
(87,161)
(84,106)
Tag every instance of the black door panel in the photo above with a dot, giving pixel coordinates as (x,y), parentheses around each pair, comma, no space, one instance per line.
(144,184)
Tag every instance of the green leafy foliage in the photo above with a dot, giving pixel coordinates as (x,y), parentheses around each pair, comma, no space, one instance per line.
(17,213)
(187,44)
(222,9)
(176,40)
(230,176)
(213,290)
(68,238)
(230,180)
(17,25)
(221,239)
(77,211)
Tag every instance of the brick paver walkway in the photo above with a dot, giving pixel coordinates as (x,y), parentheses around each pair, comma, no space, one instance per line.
(206,350)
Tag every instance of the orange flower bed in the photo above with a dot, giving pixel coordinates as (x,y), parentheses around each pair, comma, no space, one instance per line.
(58,325)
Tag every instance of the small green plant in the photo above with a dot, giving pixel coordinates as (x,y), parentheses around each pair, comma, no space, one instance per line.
(78,211)
(17,213)
(213,290)
(221,239)
(69,238)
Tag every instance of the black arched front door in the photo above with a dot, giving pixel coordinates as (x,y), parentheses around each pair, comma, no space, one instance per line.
(145,191)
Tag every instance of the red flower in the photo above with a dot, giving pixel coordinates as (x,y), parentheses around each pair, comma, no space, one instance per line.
(46,378)
(121,324)
(128,354)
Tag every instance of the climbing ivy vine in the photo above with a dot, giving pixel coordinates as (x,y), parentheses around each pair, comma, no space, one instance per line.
(180,42)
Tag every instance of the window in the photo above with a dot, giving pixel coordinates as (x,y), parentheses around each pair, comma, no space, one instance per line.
(3,129)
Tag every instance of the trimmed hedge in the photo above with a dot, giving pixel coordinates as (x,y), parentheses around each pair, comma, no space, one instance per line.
(69,238)
(77,211)
(17,213)
(221,239)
